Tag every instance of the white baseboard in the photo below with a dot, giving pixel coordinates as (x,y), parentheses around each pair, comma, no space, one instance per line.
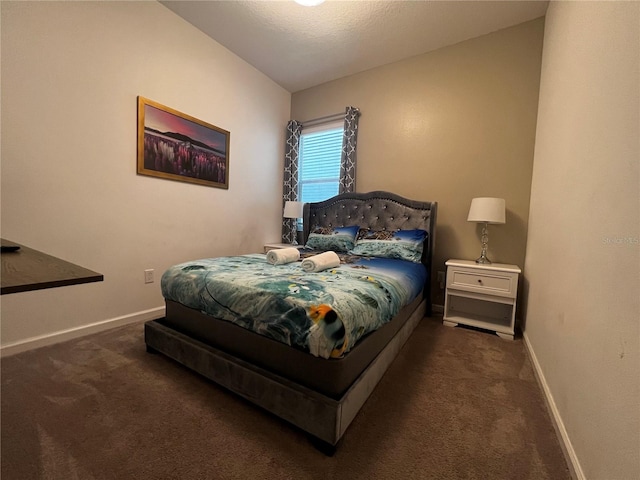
(558,424)
(439,309)
(61,336)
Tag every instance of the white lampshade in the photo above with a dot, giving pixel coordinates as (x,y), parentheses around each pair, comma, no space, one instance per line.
(487,210)
(293,209)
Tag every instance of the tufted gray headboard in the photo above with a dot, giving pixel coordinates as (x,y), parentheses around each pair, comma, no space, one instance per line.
(379,211)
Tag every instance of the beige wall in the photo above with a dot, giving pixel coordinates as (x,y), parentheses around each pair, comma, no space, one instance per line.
(71,72)
(448,126)
(583,248)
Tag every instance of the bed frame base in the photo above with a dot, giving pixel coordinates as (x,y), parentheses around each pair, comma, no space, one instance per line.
(323,417)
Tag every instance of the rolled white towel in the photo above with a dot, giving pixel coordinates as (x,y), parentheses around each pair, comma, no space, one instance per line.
(320,262)
(280,256)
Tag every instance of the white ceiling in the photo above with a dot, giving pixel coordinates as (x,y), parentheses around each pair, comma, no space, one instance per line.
(300,47)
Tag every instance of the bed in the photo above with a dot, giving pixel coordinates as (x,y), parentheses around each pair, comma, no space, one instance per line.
(316,380)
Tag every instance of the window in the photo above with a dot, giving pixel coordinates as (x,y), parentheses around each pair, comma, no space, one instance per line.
(319,162)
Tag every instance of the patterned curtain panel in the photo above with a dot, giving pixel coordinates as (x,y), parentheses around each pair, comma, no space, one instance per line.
(290,188)
(348,161)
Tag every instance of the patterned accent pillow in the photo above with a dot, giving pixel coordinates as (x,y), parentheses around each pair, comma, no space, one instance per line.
(339,239)
(402,244)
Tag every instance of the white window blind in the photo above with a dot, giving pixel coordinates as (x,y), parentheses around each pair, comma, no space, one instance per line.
(319,162)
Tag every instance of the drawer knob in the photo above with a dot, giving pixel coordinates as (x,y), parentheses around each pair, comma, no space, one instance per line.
(479,280)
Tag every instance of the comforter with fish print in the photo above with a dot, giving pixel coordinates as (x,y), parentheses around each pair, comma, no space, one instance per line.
(324,313)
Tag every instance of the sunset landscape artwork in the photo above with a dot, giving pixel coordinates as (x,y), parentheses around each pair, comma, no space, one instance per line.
(176,146)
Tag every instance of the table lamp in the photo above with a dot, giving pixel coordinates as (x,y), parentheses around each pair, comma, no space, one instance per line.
(293,210)
(486,210)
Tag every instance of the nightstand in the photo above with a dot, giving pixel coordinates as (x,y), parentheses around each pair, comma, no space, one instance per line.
(274,246)
(482,295)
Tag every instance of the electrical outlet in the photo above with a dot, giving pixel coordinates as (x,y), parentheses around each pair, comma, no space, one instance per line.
(441,280)
(148,276)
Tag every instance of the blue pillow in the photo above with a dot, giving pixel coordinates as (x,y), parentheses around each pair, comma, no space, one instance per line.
(339,239)
(402,244)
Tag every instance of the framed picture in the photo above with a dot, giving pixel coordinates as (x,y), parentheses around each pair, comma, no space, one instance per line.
(176,146)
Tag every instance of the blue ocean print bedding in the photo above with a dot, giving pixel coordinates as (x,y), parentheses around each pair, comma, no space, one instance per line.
(324,313)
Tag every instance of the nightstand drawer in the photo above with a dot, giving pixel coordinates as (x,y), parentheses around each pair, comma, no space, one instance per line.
(490,283)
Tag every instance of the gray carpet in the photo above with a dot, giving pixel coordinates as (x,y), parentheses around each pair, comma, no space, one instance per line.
(456,404)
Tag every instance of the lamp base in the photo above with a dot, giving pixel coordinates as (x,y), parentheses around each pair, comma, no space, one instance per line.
(483,259)
(485,242)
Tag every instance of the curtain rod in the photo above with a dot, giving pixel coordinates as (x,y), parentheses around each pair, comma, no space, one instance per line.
(328,118)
